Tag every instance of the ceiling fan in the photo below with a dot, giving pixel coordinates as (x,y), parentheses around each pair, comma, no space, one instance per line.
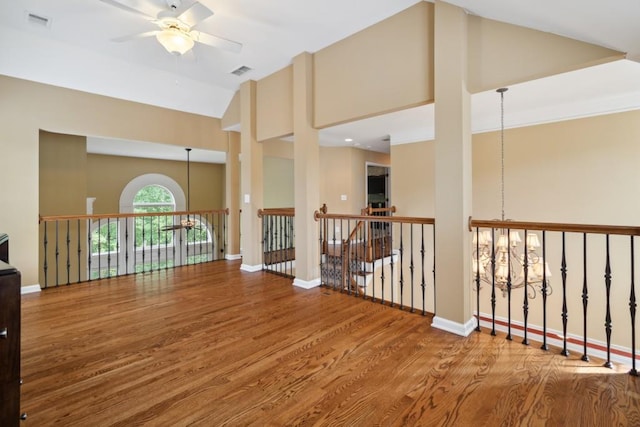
(187,223)
(175,24)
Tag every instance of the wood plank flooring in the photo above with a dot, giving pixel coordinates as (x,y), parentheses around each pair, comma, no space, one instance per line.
(209,345)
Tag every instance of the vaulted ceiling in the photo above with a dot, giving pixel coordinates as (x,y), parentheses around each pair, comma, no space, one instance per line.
(75,49)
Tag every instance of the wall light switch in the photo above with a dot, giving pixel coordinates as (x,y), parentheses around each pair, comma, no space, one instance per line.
(247,198)
(343,197)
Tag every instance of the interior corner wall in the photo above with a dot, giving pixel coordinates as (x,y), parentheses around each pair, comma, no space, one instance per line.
(27,107)
(348,74)
(274,105)
(231,117)
(343,173)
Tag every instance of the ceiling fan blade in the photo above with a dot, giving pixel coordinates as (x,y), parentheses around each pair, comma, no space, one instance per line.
(135,36)
(215,41)
(140,7)
(196,13)
(172,227)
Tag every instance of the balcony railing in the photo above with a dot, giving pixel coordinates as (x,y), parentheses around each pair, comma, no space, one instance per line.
(569,284)
(385,259)
(79,248)
(278,241)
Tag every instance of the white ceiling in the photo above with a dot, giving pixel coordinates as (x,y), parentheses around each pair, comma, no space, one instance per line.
(76,51)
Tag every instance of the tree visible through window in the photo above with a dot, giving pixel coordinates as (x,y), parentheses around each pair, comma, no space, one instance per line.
(152,199)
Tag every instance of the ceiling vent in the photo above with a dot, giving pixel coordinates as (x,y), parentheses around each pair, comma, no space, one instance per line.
(38,20)
(241,70)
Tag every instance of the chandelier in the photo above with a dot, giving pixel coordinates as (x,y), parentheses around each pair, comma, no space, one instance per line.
(510,263)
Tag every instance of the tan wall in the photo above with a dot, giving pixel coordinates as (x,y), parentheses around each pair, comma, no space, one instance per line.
(274,105)
(349,74)
(343,172)
(63,174)
(503,54)
(278,182)
(278,148)
(207,180)
(27,107)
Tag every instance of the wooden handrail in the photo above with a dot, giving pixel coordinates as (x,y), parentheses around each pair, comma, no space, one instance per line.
(128,215)
(277,211)
(406,219)
(553,226)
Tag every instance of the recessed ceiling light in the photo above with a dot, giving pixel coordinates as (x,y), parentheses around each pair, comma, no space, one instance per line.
(348,139)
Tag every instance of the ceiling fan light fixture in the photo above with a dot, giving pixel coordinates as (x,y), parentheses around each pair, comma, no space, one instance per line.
(175,40)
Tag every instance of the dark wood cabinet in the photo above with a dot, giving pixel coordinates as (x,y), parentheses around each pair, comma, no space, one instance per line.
(9,345)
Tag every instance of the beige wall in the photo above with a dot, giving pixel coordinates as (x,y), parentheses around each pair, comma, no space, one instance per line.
(383,68)
(274,105)
(502,54)
(27,107)
(231,118)
(278,182)
(343,172)
(207,180)
(63,174)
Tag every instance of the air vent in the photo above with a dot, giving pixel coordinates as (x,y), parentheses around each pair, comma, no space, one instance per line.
(38,20)
(241,70)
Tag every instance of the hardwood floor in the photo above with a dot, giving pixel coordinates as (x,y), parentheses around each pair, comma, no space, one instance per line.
(209,345)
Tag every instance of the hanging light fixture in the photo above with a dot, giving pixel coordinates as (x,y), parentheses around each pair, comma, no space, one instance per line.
(510,261)
(175,37)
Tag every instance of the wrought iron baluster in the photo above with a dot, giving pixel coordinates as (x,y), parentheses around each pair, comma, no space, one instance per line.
(390,243)
(632,311)
(585,297)
(544,292)
(509,337)
(607,321)
(46,258)
(478,279)
(525,304)
(493,283)
(401,250)
(57,254)
(411,267)
(126,245)
(108,247)
(68,253)
(423,284)
(89,249)
(565,314)
(143,244)
(79,252)
(381,239)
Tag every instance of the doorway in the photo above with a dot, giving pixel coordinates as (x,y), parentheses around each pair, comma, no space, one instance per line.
(377,185)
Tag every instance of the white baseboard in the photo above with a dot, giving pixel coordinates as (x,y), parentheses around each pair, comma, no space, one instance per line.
(232,257)
(31,289)
(454,327)
(250,268)
(575,345)
(306,284)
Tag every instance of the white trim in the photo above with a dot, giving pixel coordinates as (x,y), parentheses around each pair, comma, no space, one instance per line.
(306,284)
(31,289)
(250,268)
(454,327)
(233,257)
